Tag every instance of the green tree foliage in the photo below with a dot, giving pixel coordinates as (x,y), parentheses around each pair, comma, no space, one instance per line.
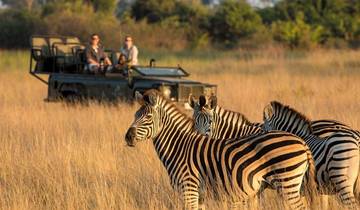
(295,23)
(338,18)
(234,20)
(17,26)
(153,10)
(105,6)
(297,33)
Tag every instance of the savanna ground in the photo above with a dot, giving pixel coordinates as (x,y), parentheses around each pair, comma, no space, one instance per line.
(55,156)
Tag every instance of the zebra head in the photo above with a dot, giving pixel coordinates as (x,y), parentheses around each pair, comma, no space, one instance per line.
(277,116)
(203,114)
(147,120)
(268,117)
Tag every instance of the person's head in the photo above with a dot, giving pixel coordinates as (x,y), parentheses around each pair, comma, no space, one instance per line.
(128,42)
(94,39)
(122,59)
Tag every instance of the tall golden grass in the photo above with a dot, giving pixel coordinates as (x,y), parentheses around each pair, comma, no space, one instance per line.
(55,156)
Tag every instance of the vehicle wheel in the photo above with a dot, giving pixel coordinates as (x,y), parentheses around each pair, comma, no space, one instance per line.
(71,98)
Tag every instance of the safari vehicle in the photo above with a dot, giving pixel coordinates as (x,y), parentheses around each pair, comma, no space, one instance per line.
(63,60)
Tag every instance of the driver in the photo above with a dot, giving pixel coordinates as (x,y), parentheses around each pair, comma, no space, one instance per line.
(97,60)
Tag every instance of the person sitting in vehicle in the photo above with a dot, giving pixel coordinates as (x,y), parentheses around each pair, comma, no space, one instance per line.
(97,60)
(122,63)
(130,51)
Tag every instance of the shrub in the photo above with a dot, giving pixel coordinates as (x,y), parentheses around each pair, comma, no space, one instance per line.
(153,10)
(297,33)
(233,20)
(17,26)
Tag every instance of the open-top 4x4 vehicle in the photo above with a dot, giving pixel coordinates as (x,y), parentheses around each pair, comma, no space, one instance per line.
(63,60)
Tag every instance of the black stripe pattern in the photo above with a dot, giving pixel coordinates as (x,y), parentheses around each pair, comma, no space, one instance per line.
(336,155)
(219,123)
(239,167)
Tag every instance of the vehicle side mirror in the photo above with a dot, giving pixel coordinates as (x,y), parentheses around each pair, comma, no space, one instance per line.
(152,62)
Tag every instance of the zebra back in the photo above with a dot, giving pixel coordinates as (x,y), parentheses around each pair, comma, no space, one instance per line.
(325,128)
(219,123)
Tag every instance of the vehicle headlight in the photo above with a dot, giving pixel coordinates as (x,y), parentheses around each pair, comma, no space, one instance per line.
(166,91)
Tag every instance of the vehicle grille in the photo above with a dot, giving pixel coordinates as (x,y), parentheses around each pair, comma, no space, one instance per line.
(185,90)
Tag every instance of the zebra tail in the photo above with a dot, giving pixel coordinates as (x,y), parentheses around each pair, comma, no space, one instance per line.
(311,183)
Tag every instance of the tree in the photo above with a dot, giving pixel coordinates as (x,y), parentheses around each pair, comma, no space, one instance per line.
(105,6)
(153,10)
(234,20)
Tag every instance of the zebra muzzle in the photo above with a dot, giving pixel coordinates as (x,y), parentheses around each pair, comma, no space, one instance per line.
(130,137)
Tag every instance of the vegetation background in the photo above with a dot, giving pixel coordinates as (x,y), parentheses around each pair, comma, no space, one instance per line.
(55,156)
(186,24)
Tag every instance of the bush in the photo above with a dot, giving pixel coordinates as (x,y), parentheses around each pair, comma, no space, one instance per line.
(17,26)
(153,10)
(233,20)
(297,33)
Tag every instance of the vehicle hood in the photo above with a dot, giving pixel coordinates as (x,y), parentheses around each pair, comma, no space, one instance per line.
(170,80)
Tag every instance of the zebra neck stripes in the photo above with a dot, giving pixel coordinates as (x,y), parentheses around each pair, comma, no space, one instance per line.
(228,124)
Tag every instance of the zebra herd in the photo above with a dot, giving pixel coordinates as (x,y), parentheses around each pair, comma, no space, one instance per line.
(221,151)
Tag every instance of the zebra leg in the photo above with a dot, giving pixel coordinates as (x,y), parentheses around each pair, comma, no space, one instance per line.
(324,199)
(191,195)
(202,198)
(343,172)
(289,188)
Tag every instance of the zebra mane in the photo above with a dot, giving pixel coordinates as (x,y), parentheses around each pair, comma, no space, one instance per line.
(279,107)
(220,111)
(167,105)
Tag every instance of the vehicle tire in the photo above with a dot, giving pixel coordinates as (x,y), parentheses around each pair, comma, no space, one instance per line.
(71,97)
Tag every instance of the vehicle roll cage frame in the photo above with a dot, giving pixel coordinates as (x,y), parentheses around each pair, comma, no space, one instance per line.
(47,50)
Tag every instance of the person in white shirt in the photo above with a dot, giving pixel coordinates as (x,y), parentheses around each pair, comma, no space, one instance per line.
(130,51)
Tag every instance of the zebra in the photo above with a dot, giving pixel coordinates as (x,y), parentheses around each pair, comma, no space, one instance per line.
(240,167)
(325,128)
(219,123)
(336,156)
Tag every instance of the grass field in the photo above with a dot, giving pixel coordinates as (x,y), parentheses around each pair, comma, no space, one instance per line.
(54,156)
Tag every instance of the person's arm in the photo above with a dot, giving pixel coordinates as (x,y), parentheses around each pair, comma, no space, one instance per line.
(106,58)
(107,61)
(134,56)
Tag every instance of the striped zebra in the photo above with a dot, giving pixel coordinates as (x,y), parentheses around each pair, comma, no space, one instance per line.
(238,167)
(219,123)
(325,128)
(336,157)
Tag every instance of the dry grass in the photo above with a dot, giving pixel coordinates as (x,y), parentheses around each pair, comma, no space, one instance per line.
(54,156)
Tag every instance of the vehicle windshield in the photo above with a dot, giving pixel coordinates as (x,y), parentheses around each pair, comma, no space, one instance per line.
(161,71)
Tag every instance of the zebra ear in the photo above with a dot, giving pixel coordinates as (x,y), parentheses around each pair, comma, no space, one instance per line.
(213,101)
(139,98)
(202,101)
(151,98)
(191,101)
(268,111)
